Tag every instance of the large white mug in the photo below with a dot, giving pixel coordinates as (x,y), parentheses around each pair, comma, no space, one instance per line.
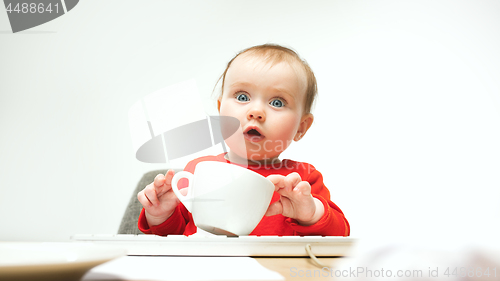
(225,199)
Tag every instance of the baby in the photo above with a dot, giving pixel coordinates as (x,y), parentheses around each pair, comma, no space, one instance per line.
(270,90)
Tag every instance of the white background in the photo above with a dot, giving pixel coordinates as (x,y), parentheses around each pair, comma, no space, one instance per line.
(407,123)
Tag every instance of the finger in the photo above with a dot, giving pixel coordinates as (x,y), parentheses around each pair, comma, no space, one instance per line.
(167,183)
(275,208)
(303,188)
(168,199)
(168,177)
(150,193)
(159,180)
(143,199)
(291,180)
(277,180)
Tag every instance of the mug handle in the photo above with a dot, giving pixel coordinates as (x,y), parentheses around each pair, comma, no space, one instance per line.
(186,200)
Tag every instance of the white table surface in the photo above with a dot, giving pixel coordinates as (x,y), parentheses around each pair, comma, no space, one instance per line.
(206,268)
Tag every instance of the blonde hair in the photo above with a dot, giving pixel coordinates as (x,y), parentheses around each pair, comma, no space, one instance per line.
(275,54)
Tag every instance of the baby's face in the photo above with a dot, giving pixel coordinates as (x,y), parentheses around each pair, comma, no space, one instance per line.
(269,103)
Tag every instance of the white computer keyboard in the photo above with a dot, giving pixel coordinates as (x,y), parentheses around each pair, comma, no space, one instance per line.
(252,246)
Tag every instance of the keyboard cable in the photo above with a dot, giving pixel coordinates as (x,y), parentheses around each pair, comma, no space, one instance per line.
(313,257)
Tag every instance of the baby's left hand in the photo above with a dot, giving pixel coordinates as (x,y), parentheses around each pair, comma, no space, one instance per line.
(296,201)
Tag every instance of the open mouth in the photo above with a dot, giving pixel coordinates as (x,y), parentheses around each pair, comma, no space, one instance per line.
(253,134)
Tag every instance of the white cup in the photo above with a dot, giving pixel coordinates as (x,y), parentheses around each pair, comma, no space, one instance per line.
(225,199)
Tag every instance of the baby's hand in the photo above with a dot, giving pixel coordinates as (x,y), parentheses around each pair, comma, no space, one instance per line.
(296,201)
(158,199)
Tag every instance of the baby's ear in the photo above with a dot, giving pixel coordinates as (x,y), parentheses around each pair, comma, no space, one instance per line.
(218,104)
(305,123)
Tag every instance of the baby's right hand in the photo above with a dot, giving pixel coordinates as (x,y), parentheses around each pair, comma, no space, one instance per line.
(158,199)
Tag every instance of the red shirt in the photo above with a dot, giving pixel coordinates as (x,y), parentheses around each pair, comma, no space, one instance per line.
(333,222)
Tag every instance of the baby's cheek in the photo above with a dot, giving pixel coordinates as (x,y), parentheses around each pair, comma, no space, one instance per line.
(236,143)
(286,132)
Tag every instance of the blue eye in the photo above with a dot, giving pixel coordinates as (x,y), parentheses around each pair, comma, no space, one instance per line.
(277,103)
(242,97)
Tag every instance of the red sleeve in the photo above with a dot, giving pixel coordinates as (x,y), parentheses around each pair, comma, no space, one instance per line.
(175,224)
(333,222)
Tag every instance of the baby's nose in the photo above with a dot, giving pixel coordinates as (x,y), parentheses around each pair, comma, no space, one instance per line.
(256,114)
